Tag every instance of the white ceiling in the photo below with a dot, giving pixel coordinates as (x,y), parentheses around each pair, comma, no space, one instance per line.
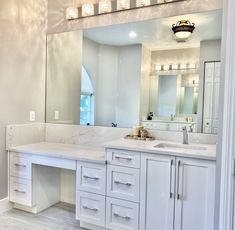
(157,34)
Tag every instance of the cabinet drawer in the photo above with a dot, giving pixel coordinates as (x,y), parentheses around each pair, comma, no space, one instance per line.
(90,208)
(91,177)
(21,191)
(20,165)
(123,158)
(121,214)
(123,183)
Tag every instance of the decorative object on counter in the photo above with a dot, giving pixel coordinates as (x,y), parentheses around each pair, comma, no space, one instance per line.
(107,7)
(150,116)
(139,133)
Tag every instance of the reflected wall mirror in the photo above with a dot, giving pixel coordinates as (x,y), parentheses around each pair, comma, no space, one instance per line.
(137,74)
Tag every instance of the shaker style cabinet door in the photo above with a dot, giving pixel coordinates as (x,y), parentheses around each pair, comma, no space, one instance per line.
(157,192)
(195,189)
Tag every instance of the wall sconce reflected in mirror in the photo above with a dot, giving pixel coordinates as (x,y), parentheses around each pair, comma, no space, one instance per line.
(87,9)
(123,4)
(105,6)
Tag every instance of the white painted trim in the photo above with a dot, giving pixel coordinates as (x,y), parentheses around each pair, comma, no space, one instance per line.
(226,143)
(5,205)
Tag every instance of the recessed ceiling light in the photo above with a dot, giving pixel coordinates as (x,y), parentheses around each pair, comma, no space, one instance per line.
(132,34)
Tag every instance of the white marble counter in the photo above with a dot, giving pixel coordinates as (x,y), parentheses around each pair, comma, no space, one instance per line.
(67,151)
(209,153)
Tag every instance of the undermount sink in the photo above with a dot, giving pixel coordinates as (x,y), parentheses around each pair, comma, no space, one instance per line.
(179,146)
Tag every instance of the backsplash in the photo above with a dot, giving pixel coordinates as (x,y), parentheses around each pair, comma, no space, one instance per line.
(86,135)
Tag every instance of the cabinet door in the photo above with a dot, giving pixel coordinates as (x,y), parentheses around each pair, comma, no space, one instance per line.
(157,192)
(195,189)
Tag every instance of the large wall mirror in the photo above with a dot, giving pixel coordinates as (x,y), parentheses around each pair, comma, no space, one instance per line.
(137,74)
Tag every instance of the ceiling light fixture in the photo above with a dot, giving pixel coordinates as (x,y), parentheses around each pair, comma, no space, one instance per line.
(183,29)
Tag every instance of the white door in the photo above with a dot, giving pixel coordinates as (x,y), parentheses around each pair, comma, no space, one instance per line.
(208,97)
(157,192)
(215,106)
(195,191)
(211,97)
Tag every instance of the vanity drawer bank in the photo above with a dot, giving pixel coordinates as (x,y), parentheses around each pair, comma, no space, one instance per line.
(136,186)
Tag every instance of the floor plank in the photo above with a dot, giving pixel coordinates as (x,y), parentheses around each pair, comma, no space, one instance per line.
(58,217)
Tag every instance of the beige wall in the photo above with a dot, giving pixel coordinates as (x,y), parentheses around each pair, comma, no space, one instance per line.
(64,62)
(22,68)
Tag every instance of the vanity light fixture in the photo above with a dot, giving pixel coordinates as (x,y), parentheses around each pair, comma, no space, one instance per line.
(105,6)
(183,29)
(141,3)
(98,7)
(71,13)
(123,4)
(87,9)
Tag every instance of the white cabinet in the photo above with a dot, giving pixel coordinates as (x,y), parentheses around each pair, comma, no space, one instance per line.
(90,208)
(122,214)
(157,192)
(91,177)
(123,158)
(195,188)
(176,193)
(123,183)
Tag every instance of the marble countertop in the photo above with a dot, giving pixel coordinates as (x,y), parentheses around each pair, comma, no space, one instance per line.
(201,151)
(67,151)
(169,121)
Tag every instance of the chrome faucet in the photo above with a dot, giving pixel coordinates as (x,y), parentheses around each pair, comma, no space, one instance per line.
(185,135)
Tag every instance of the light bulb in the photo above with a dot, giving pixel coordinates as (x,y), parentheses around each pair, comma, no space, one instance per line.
(123,4)
(87,9)
(140,3)
(105,6)
(71,13)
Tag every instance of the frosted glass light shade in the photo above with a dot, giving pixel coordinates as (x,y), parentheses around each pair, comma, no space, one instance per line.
(105,6)
(140,3)
(123,4)
(183,34)
(87,9)
(71,13)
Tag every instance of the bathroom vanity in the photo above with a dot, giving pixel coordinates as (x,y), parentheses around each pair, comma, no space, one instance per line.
(127,185)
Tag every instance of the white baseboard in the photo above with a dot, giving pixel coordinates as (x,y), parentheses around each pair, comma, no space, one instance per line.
(5,205)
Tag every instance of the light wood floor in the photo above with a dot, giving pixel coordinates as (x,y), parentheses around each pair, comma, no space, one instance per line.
(58,217)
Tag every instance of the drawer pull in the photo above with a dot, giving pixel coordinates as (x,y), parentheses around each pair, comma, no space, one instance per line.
(20,165)
(123,217)
(119,182)
(91,178)
(18,191)
(123,158)
(92,209)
